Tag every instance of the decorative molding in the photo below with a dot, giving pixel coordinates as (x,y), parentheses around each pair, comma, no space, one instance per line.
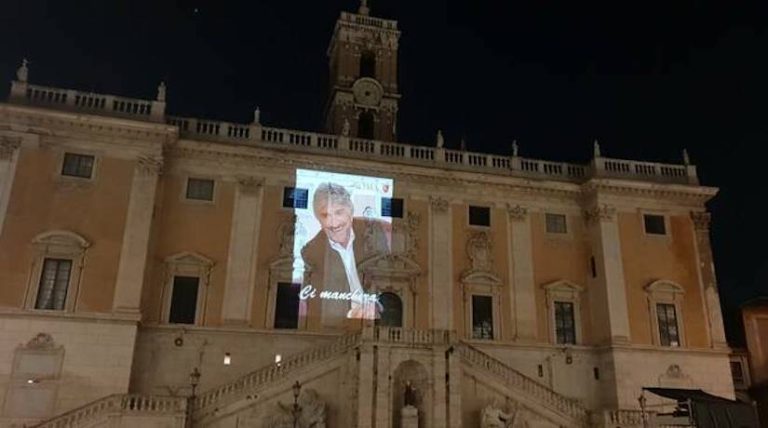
(480,252)
(517,212)
(701,220)
(604,212)
(439,204)
(41,341)
(149,165)
(250,185)
(8,146)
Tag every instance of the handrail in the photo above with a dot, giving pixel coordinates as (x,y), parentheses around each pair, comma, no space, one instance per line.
(519,381)
(125,404)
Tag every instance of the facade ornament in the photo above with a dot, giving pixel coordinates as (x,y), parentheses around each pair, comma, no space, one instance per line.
(440,139)
(286,234)
(311,413)
(22,73)
(409,396)
(161,92)
(257,116)
(414,220)
(600,213)
(596,149)
(463,144)
(517,212)
(686,158)
(8,146)
(41,341)
(249,185)
(439,204)
(364,9)
(493,417)
(701,220)
(515,148)
(479,251)
(345,128)
(149,165)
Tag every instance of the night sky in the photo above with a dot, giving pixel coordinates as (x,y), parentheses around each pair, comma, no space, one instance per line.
(644,78)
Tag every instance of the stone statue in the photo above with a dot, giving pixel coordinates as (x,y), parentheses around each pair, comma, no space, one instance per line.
(22,73)
(345,128)
(161,92)
(463,144)
(514,148)
(596,149)
(410,394)
(311,413)
(440,140)
(686,158)
(257,116)
(493,417)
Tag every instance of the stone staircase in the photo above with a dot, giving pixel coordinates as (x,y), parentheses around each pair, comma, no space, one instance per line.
(97,412)
(569,409)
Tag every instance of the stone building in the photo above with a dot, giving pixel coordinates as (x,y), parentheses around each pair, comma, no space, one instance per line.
(755,317)
(137,248)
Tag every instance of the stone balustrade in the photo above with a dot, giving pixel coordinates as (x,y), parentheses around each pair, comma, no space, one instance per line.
(407,337)
(118,404)
(370,21)
(227,393)
(68,99)
(256,135)
(628,418)
(522,383)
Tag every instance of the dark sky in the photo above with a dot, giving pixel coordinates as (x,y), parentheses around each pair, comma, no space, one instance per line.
(645,78)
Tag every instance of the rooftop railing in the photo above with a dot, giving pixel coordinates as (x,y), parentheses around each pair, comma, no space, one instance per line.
(254,134)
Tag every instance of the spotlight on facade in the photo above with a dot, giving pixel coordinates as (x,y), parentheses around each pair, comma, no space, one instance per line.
(227,359)
(278,359)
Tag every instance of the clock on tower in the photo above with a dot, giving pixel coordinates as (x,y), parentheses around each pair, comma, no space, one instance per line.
(363,76)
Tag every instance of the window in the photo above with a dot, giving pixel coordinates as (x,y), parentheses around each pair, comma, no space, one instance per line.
(565,324)
(392,207)
(392,310)
(54,282)
(368,64)
(654,224)
(294,197)
(365,125)
(184,300)
(482,317)
(667,319)
(287,306)
(200,189)
(479,216)
(556,223)
(76,165)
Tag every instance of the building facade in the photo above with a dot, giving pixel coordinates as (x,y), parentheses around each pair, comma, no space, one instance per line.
(137,247)
(755,317)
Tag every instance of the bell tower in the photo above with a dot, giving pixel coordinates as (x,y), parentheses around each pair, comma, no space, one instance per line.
(363,97)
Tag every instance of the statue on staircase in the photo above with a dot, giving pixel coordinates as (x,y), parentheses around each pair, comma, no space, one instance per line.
(309,414)
(493,417)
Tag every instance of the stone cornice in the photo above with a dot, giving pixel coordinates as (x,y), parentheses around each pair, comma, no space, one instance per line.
(686,194)
(53,120)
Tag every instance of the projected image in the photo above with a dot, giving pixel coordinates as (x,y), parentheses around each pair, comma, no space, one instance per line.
(341,227)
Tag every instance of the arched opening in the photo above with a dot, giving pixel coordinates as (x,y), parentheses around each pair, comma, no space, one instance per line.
(365,125)
(391,310)
(368,64)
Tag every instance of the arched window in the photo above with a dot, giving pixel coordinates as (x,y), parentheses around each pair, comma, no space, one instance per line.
(392,310)
(368,64)
(365,125)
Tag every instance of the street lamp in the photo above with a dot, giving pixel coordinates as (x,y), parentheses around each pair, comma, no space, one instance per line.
(194,380)
(296,391)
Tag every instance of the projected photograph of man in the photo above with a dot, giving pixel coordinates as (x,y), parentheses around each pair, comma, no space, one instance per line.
(335,251)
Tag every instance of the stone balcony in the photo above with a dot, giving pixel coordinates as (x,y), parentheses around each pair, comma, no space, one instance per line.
(256,135)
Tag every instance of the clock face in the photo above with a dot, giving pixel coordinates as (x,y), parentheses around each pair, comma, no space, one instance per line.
(367,92)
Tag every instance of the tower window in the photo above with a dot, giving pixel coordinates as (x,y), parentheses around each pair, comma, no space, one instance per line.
(184,300)
(392,207)
(482,317)
(654,224)
(54,283)
(287,306)
(479,216)
(77,165)
(368,64)
(365,125)
(392,310)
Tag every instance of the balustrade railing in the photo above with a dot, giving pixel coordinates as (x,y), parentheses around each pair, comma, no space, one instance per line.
(410,337)
(437,157)
(251,381)
(120,404)
(519,381)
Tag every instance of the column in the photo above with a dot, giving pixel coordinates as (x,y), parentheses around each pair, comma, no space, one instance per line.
(243,248)
(606,244)
(439,382)
(454,384)
(8,160)
(440,265)
(708,279)
(133,253)
(522,290)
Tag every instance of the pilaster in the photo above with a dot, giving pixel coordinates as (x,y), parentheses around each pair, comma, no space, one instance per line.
(243,248)
(454,389)
(708,279)
(606,244)
(440,265)
(522,292)
(365,408)
(133,253)
(440,382)
(9,154)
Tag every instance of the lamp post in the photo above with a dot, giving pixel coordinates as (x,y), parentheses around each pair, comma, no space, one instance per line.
(296,391)
(194,380)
